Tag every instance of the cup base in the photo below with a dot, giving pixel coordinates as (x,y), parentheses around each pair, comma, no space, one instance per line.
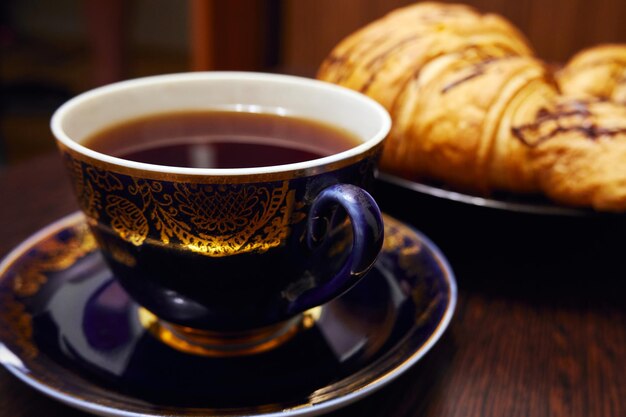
(224,344)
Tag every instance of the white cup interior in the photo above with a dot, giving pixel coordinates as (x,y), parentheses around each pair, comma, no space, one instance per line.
(98,109)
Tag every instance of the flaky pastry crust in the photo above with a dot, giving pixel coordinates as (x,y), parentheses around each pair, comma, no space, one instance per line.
(474,109)
(596,72)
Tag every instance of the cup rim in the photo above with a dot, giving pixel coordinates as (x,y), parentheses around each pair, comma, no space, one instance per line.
(127,165)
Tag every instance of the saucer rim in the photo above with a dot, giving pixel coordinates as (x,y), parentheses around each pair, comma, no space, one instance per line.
(15,366)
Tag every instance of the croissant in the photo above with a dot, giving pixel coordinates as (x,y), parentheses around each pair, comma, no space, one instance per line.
(381,58)
(578,152)
(458,105)
(596,72)
(475,110)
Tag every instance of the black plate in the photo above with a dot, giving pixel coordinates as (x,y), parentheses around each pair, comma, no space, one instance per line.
(509,238)
(533,204)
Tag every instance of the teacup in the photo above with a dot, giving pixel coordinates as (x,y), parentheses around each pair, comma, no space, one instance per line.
(310,233)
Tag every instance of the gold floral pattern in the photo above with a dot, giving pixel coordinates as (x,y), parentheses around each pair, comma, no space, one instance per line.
(104,179)
(88,197)
(20,325)
(402,239)
(211,219)
(128,220)
(53,255)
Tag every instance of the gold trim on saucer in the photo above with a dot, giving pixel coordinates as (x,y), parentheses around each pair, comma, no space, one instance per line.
(222,344)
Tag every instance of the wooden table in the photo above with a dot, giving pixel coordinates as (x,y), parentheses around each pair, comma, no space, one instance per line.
(506,353)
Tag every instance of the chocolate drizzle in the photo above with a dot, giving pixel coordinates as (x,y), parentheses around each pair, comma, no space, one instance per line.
(379,58)
(455,83)
(535,133)
(374,64)
(478,70)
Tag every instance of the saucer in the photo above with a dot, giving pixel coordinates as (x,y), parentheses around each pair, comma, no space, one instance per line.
(69,330)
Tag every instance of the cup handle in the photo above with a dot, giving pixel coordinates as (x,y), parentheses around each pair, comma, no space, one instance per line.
(367,231)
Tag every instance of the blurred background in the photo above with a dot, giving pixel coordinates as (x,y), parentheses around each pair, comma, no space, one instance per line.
(50,50)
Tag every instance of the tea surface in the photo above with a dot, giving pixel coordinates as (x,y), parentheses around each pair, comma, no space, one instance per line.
(221,139)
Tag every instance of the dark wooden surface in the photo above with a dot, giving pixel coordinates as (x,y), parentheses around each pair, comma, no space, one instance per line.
(511,350)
